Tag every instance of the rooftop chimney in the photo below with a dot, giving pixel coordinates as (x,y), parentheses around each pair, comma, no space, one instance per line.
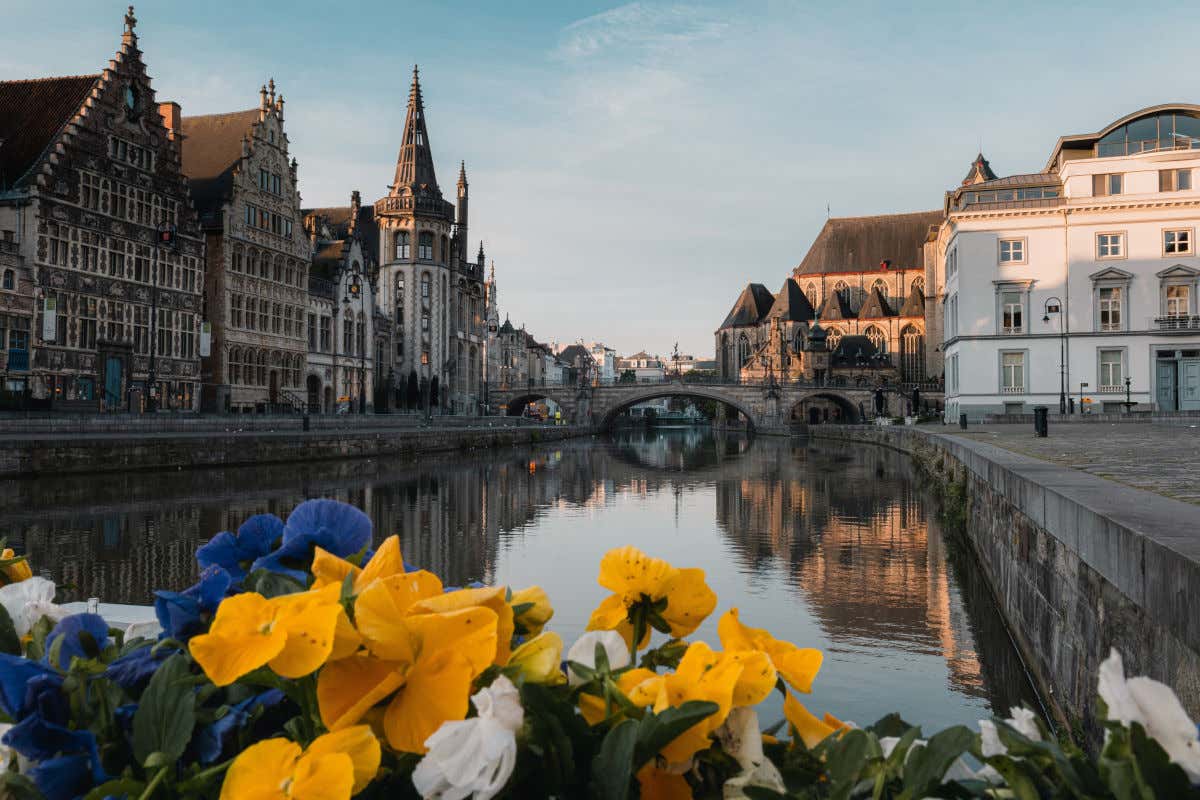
(171,120)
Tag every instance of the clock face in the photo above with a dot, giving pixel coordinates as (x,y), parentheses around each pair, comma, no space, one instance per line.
(130,98)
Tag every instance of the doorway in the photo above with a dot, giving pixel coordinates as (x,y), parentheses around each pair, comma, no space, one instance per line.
(1177,380)
(313,384)
(113,367)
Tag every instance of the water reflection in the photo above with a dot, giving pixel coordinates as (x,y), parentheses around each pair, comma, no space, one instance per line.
(831,546)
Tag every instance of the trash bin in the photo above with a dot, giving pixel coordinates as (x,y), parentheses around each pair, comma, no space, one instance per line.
(1041,421)
(962,421)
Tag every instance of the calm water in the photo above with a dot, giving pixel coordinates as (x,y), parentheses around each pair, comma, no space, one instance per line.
(830,546)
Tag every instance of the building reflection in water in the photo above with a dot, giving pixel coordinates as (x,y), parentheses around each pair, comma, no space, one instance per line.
(833,546)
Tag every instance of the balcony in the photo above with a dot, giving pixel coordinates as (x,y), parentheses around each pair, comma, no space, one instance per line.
(1177,322)
(1110,389)
(1012,390)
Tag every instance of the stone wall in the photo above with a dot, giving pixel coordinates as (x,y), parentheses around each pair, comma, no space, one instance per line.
(1077,565)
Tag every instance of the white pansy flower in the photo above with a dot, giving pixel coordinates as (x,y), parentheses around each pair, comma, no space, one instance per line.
(1022,720)
(1155,707)
(474,757)
(741,738)
(584,652)
(28,601)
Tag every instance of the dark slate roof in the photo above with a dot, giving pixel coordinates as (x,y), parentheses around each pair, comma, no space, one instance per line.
(212,147)
(573,353)
(338,220)
(32,113)
(914,305)
(1029,179)
(836,306)
(980,171)
(849,348)
(791,304)
(507,327)
(328,259)
(752,304)
(850,244)
(875,307)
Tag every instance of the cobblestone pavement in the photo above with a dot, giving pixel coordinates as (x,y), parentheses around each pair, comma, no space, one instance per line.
(1159,458)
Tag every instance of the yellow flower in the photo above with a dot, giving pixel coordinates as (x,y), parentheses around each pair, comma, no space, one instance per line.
(701,675)
(534,618)
(539,659)
(328,568)
(797,665)
(334,767)
(17,571)
(656,783)
(644,587)
(488,597)
(293,634)
(592,706)
(812,731)
(424,660)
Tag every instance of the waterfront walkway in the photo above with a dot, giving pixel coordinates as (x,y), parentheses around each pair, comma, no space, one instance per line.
(1160,458)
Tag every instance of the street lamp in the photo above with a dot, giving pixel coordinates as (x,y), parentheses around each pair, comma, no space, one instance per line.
(1054,306)
(354,290)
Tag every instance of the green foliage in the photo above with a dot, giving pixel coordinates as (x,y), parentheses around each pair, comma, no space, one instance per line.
(163,723)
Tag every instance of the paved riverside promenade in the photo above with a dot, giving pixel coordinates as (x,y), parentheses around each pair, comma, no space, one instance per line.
(1160,458)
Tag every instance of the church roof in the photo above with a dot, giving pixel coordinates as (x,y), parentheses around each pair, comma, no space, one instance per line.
(414,166)
(850,348)
(836,306)
(212,148)
(791,304)
(979,172)
(752,304)
(853,244)
(574,353)
(914,304)
(875,306)
(32,112)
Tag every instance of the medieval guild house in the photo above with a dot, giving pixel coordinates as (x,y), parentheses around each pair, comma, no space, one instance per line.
(91,188)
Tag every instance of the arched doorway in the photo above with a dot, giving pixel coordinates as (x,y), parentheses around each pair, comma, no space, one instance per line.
(826,407)
(313,385)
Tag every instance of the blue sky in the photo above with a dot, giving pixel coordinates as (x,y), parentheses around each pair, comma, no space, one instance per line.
(633,166)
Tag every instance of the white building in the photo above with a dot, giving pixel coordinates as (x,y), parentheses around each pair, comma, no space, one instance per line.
(606,363)
(1094,257)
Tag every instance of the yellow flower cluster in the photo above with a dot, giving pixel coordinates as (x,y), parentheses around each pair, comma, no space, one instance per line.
(13,568)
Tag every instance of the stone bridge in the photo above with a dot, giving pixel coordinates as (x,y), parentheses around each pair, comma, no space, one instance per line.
(765,406)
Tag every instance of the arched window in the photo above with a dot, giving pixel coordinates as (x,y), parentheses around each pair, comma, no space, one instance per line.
(811,293)
(425,247)
(800,343)
(912,353)
(877,337)
(881,286)
(262,368)
(833,339)
(403,248)
(234,367)
(918,286)
(842,289)
(425,286)
(743,350)
(252,262)
(237,258)
(10,279)
(278,272)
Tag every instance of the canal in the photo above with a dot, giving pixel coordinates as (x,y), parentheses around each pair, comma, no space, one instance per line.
(827,545)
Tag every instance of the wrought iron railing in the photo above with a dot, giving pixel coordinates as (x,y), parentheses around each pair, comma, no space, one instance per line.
(1177,322)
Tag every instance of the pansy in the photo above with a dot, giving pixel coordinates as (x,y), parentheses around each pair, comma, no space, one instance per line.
(539,659)
(337,528)
(181,614)
(811,729)
(28,601)
(531,610)
(490,597)
(328,568)
(42,741)
(293,634)
(77,636)
(649,592)
(14,568)
(210,741)
(65,777)
(583,652)
(797,665)
(474,757)
(16,676)
(234,551)
(334,767)
(133,670)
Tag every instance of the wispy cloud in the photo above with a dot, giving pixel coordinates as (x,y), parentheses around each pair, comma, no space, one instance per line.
(643,26)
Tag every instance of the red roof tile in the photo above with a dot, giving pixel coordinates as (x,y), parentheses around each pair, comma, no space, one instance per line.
(32,112)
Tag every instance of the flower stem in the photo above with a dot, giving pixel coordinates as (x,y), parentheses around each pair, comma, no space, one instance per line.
(158,778)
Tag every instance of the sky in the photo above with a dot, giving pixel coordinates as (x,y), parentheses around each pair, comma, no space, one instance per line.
(633,166)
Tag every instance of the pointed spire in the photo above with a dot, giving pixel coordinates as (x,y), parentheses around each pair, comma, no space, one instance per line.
(979,172)
(262,97)
(271,86)
(129,36)
(414,167)
(480,256)
(492,273)
(462,174)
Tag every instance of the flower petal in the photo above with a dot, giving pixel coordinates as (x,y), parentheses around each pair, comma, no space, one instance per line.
(584,652)
(609,614)
(812,731)
(310,627)
(533,619)
(357,742)
(538,659)
(386,561)
(658,784)
(798,665)
(329,776)
(631,573)
(348,689)
(488,597)
(471,632)
(328,568)
(689,602)
(242,638)
(260,770)
(380,609)
(437,690)
(757,679)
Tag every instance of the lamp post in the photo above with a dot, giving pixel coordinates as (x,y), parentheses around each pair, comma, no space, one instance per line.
(1054,306)
(1128,398)
(354,289)
(1082,385)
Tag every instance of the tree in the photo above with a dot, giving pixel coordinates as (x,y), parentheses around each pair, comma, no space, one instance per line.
(628,376)
(413,396)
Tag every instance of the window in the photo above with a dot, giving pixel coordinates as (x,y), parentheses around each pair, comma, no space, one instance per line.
(1111,373)
(843,290)
(264,180)
(10,279)
(1012,312)
(1178,298)
(1012,373)
(1012,251)
(402,246)
(425,286)
(951,264)
(425,247)
(424,356)
(811,294)
(1107,184)
(1110,245)
(877,339)
(1177,242)
(326,334)
(918,287)
(312,332)
(1174,180)
(1110,308)
(880,286)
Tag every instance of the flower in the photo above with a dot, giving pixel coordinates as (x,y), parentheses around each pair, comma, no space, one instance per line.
(1022,720)
(28,601)
(133,670)
(420,657)
(209,742)
(77,636)
(489,597)
(181,613)
(293,634)
(334,767)
(1156,708)
(584,652)
(797,665)
(531,610)
(328,568)
(811,730)
(741,738)
(474,757)
(539,659)
(647,592)
(338,528)
(232,552)
(14,568)
(17,676)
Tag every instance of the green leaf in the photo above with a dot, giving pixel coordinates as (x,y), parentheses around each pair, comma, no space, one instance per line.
(1164,778)
(613,767)
(1016,776)
(272,584)
(847,758)
(762,793)
(923,770)
(18,787)
(656,731)
(891,725)
(10,643)
(166,712)
(121,787)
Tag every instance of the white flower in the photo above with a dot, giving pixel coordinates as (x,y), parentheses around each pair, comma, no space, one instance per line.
(474,757)
(146,629)
(957,771)
(741,738)
(584,652)
(1022,720)
(28,601)
(1156,708)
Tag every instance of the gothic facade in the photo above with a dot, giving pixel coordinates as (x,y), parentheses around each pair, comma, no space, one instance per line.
(256,277)
(89,177)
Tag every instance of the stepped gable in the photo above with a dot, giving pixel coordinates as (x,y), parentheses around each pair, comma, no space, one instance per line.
(859,244)
(752,305)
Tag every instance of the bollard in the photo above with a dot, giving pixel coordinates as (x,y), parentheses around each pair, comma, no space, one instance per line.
(1041,421)
(962,421)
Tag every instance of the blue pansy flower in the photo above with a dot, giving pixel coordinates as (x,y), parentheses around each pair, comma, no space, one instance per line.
(336,527)
(179,613)
(16,673)
(63,778)
(39,740)
(44,696)
(123,715)
(133,670)
(209,742)
(71,631)
(254,539)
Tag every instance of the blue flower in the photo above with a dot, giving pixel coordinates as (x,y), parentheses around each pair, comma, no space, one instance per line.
(179,613)
(209,742)
(337,527)
(82,636)
(63,778)
(39,740)
(254,539)
(133,670)
(44,697)
(16,673)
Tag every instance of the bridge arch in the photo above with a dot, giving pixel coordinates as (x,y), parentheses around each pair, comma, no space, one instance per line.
(813,408)
(620,403)
(517,403)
